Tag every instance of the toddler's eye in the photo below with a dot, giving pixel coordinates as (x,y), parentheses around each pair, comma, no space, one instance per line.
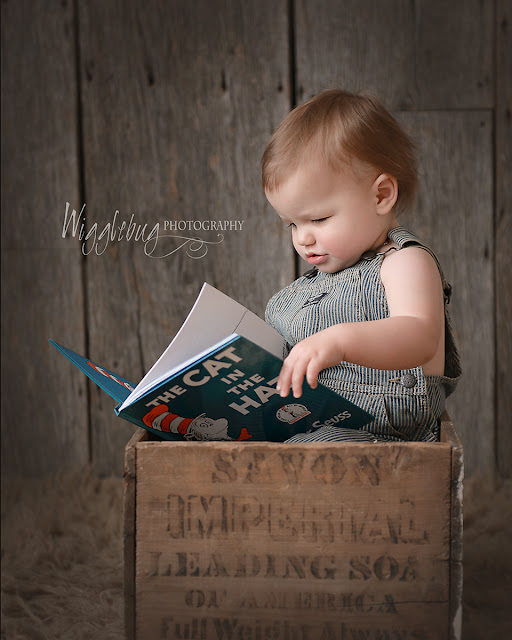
(319,220)
(292,224)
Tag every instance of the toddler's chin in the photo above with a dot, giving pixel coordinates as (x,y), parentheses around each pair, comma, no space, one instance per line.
(334,265)
(329,268)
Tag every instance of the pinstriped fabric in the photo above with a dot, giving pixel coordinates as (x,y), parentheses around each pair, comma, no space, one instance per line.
(406,403)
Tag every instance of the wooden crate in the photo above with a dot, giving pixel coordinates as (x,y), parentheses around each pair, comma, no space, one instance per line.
(266,541)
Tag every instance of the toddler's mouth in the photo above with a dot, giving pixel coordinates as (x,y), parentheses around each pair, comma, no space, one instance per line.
(316,258)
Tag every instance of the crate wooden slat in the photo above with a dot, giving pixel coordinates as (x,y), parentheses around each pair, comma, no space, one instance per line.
(449,436)
(269,540)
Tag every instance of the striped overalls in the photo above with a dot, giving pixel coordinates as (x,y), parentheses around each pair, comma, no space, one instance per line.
(407,404)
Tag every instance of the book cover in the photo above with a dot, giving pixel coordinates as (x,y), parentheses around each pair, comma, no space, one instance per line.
(217,381)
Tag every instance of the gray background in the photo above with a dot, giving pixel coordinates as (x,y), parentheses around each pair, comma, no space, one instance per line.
(162,109)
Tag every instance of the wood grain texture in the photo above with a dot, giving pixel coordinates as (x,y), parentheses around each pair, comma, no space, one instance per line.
(317,539)
(426,54)
(419,56)
(454,215)
(44,397)
(44,404)
(504,234)
(175,122)
(179,523)
(177,102)
(449,435)
(129,532)
(39,127)
(453,65)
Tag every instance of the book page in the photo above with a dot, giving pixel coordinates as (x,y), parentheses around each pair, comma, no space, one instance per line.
(258,331)
(213,318)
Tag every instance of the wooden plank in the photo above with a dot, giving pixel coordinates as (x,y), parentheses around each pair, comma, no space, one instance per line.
(129,531)
(503,233)
(455,150)
(412,55)
(456,536)
(415,621)
(39,129)
(175,122)
(44,406)
(453,46)
(319,539)
(355,45)
(449,435)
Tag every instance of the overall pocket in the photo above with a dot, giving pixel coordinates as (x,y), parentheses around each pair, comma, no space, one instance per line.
(407,415)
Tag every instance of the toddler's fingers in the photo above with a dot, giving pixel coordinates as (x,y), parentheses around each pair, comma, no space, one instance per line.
(312,374)
(298,374)
(284,380)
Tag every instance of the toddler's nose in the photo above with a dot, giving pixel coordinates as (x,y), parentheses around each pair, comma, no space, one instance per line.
(304,237)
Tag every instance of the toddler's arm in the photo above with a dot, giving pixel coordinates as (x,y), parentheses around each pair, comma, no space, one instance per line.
(408,338)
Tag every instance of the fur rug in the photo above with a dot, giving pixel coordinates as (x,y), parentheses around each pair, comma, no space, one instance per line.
(62,565)
(62,559)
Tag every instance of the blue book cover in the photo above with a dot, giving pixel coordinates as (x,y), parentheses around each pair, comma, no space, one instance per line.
(116,386)
(217,381)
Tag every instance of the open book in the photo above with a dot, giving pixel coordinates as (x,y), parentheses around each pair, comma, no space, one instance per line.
(217,381)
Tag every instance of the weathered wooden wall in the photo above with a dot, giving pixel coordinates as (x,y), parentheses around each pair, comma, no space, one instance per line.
(162,110)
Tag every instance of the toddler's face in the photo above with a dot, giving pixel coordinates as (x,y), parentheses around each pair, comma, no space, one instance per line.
(333,215)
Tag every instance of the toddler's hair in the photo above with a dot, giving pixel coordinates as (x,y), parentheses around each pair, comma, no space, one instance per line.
(339,126)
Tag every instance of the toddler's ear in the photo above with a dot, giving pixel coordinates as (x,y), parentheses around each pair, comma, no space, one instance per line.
(386,192)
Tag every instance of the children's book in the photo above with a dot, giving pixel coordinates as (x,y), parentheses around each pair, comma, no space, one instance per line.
(217,381)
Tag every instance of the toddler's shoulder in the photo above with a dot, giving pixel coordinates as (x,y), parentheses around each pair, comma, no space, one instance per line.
(414,264)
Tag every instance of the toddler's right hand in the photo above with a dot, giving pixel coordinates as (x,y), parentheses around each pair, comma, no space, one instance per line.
(306,360)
